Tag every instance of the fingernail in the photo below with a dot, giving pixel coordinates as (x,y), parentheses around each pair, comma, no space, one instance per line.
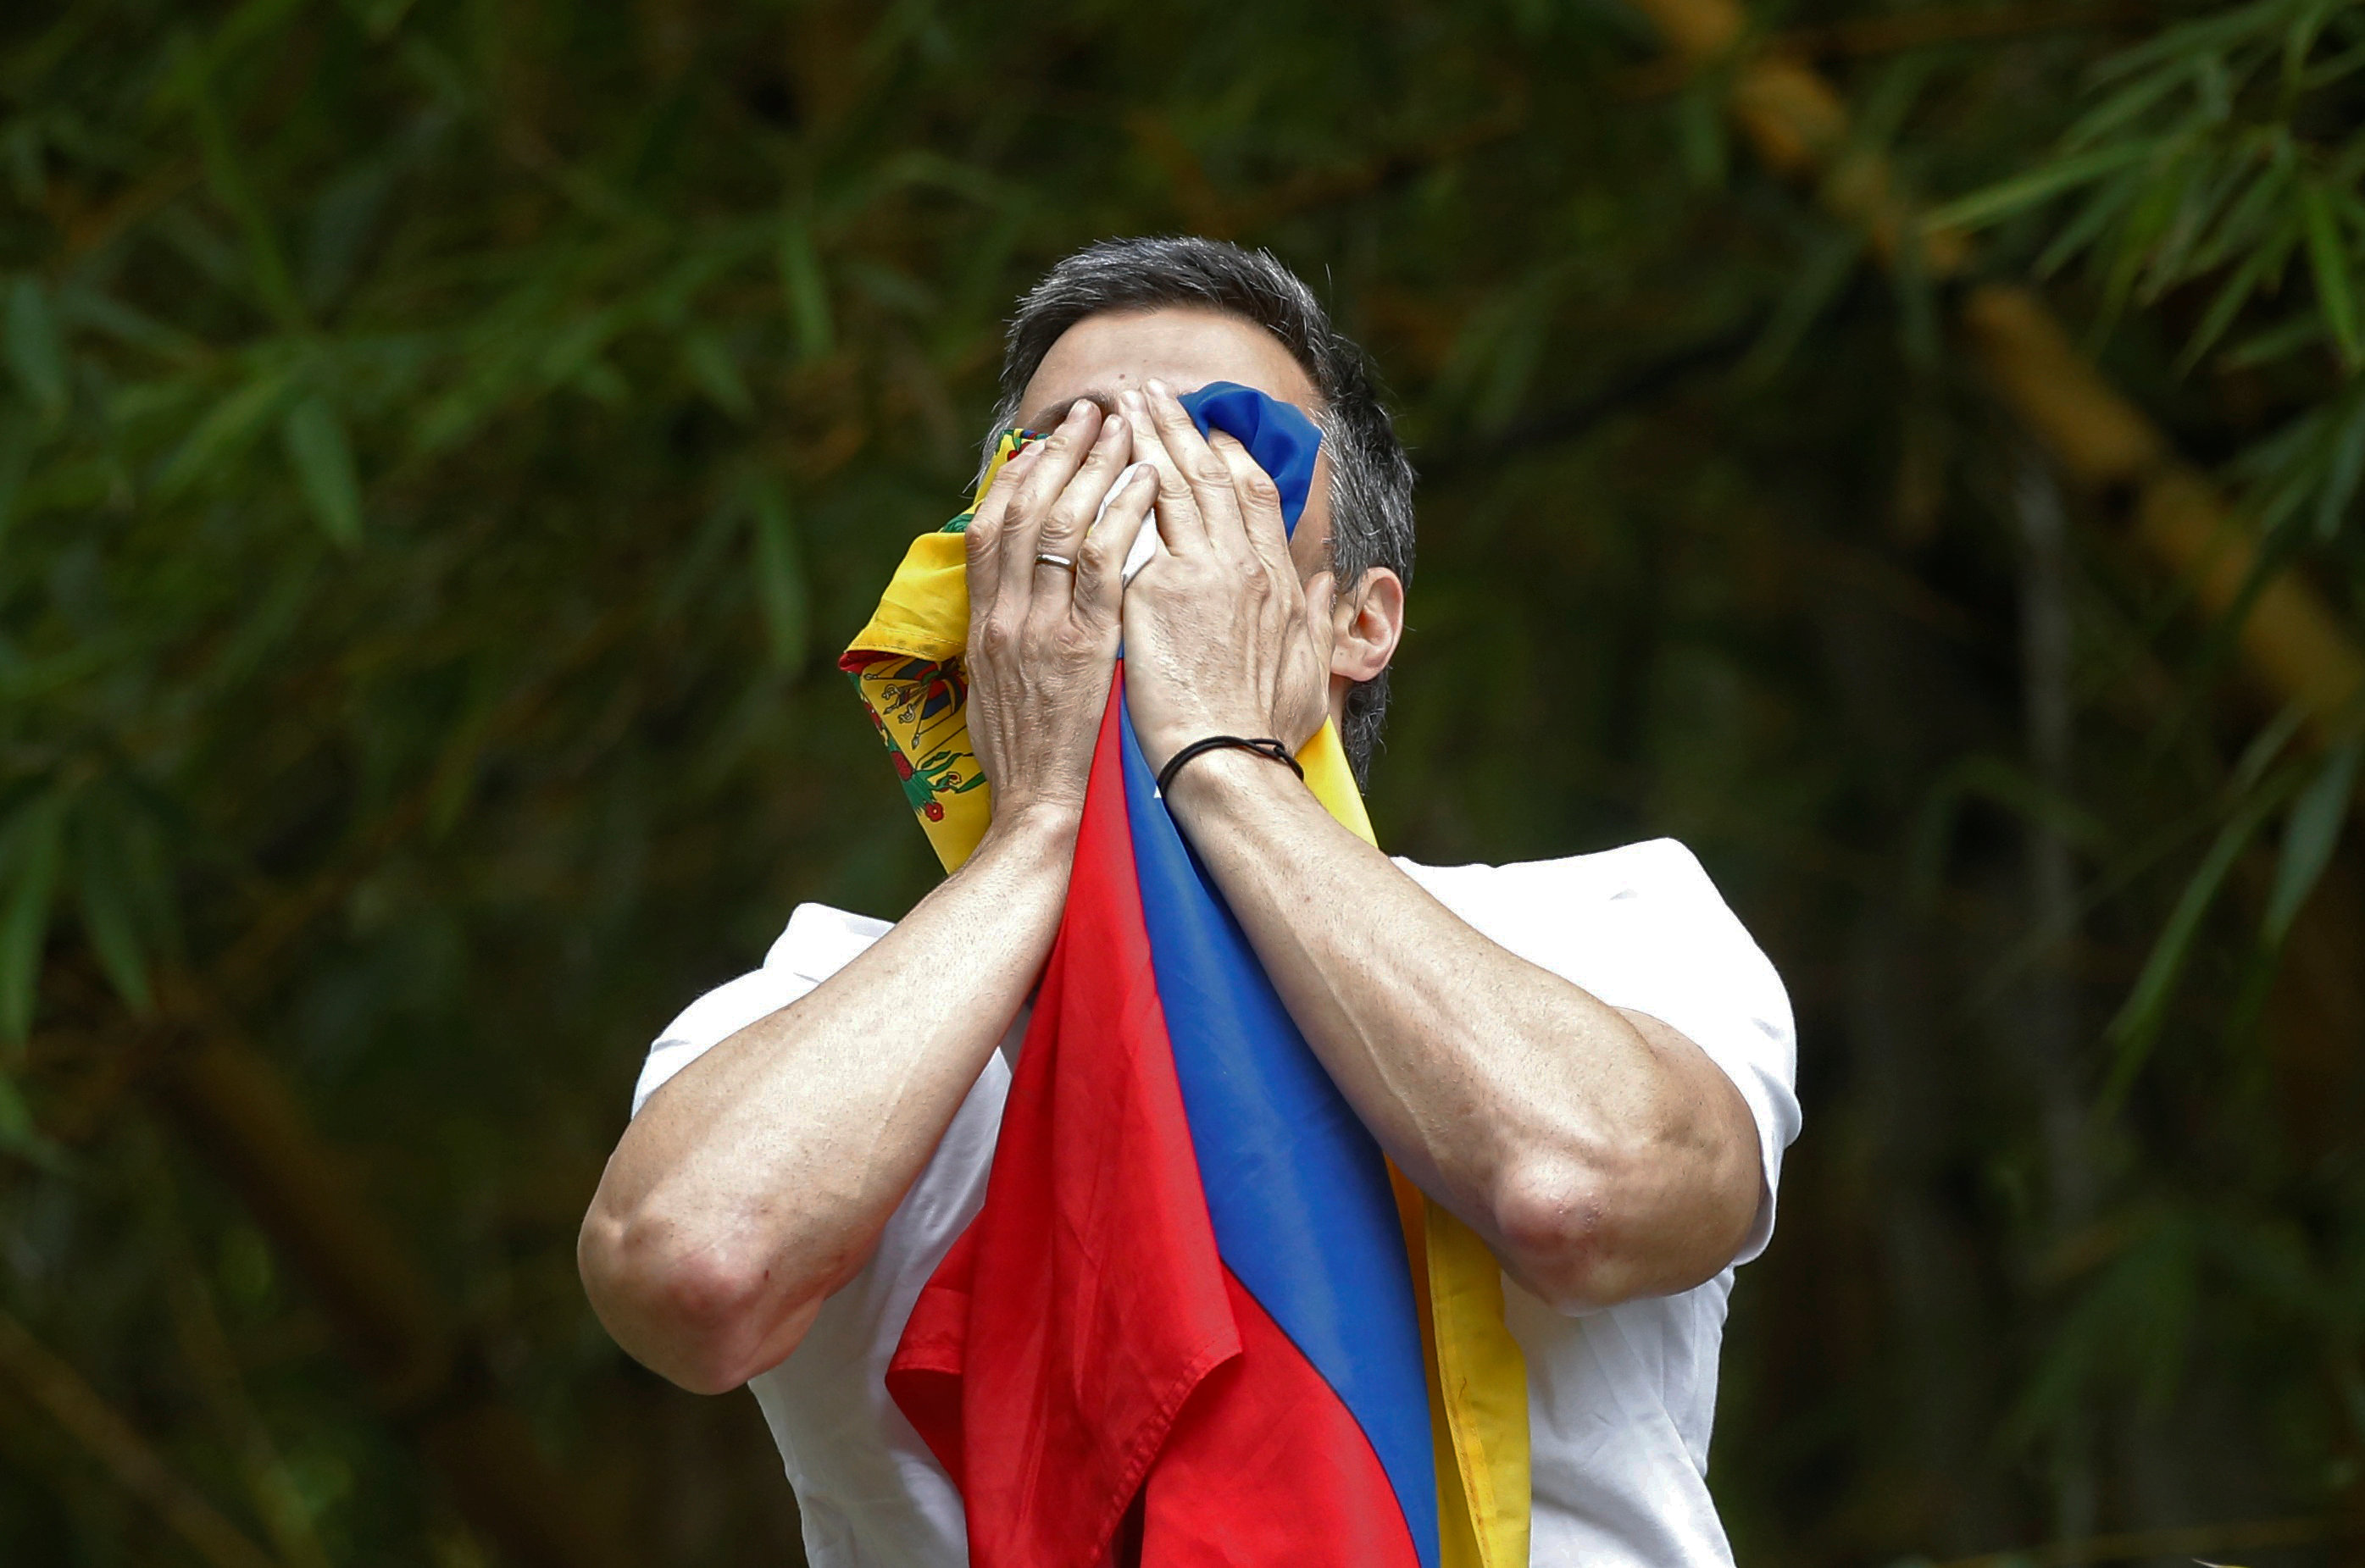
(1157,388)
(1076,410)
(1115,427)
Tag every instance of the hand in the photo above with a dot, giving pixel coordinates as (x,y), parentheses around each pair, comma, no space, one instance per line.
(1221,638)
(1043,637)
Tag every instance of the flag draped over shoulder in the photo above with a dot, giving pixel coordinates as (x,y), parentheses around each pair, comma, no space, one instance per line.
(1199,1315)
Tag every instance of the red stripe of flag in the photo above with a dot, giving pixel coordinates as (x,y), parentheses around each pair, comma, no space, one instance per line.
(1082,1345)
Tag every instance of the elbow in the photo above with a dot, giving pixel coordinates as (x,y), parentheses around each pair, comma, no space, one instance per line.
(1588,1229)
(691,1307)
(1557,1229)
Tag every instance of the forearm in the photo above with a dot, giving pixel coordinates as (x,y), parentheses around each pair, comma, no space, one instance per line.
(758,1178)
(1594,1152)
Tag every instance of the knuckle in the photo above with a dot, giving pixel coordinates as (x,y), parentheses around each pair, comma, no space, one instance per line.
(1262,489)
(1211,470)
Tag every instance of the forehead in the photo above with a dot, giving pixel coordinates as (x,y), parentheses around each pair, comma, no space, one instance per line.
(1184,347)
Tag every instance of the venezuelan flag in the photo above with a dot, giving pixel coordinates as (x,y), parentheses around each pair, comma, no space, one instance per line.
(1199,1317)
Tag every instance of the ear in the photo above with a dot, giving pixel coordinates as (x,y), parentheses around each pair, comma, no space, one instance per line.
(1366,624)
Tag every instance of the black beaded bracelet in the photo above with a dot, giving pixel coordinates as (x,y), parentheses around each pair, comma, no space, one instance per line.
(1265,747)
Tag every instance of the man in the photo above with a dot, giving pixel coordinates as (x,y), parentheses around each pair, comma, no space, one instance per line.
(1587,1060)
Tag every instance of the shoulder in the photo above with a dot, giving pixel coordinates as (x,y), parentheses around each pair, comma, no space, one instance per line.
(1655,890)
(1642,927)
(818,942)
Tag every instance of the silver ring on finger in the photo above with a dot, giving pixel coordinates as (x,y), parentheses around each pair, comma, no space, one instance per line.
(1046,558)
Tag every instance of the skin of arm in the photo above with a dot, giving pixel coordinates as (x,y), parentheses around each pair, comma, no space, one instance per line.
(758,1178)
(756,1181)
(1601,1154)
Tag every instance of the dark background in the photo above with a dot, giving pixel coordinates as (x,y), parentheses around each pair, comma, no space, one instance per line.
(444,444)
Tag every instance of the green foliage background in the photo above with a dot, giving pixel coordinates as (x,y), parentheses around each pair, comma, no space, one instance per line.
(444,444)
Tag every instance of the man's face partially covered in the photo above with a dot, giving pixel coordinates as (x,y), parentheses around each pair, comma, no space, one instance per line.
(1185,348)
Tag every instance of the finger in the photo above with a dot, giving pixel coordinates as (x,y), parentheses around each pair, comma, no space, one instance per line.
(1063,452)
(1179,523)
(1259,501)
(1209,476)
(1072,514)
(984,536)
(1099,563)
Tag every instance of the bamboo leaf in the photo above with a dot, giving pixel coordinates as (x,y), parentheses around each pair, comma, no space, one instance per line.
(34,845)
(274,286)
(779,572)
(2327,258)
(1814,284)
(2102,207)
(710,366)
(2008,197)
(2341,474)
(2222,310)
(2136,1027)
(36,348)
(323,460)
(806,290)
(2309,839)
(18,1132)
(226,431)
(109,917)
(17,440)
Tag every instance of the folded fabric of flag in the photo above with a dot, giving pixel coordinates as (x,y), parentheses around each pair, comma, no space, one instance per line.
(1199,1316)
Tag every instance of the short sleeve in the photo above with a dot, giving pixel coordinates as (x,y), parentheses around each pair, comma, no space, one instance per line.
(1643,928)
(819,942)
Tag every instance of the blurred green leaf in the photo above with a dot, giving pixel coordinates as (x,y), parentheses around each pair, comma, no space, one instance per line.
(323,460)
(2327,257)
(19,1135)
(2136,1027)
(779,572)
(2346,465)
(36,348)
(225,432)
(717,374)
(32,845)
(18,438)
(806,291)
(109,905)
(2309,839)
(2007,197)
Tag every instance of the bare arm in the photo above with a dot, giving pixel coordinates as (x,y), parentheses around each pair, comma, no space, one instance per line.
(758,1179)
(1601,1154)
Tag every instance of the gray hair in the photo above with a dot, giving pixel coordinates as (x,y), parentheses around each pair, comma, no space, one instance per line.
(1371,478)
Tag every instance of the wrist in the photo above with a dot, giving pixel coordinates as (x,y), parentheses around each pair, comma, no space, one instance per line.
(1044,830)
(1223,778)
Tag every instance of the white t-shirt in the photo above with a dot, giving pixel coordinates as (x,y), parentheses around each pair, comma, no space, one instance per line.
(1620,1401)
